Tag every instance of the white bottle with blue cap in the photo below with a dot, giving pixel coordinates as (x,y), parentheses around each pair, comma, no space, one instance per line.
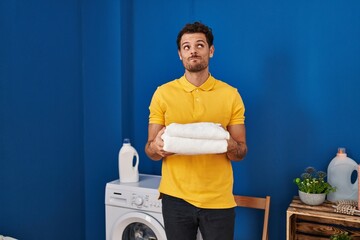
(128,168)
(339,173)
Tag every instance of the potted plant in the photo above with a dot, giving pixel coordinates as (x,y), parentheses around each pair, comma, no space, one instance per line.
(341,236)
(313,187)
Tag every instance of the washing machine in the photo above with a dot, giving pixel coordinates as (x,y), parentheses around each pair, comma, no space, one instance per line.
(133,210)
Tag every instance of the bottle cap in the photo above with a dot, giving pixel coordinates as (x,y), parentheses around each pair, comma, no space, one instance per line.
(126,141)
(341,150)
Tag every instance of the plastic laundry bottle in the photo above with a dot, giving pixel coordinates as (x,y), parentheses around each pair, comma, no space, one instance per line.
(128,172)
(339,174)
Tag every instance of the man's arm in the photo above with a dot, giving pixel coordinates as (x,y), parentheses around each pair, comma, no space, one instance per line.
(154,146)
(237,148)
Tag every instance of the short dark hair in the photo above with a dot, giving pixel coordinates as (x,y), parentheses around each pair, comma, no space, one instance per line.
(196,27)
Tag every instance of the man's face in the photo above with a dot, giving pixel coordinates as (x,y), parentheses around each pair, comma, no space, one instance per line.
(195,52)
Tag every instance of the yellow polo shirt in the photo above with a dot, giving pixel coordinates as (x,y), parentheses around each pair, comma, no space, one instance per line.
(205,181)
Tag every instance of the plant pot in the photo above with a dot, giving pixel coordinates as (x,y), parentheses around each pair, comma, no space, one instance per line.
(312,198)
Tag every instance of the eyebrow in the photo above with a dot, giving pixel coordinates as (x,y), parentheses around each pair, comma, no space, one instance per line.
(197,41)
(200,40)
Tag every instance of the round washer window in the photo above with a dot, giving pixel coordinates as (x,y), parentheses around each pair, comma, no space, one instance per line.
(138,231)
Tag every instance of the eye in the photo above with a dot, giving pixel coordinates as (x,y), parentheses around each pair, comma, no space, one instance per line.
(186,47)
(200,45)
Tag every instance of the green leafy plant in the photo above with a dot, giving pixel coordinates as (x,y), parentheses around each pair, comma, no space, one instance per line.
(312,181)
(341,236)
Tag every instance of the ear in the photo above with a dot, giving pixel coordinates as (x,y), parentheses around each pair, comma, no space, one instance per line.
(212,50)
(180,55)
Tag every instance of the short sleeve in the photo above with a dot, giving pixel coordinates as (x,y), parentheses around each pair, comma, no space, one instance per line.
(156,115)
(238,110)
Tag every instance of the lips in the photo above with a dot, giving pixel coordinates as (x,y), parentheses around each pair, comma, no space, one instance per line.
(194,58)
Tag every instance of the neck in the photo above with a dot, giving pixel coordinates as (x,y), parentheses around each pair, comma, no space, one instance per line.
(197,78)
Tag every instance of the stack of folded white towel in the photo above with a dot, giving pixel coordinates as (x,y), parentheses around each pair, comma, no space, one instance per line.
(195,138)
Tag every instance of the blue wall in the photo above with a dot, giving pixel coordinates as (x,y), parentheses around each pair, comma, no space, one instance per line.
(76,77)
(41,120)
(103,113)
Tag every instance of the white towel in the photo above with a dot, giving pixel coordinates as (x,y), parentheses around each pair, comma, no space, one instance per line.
(6,238)
(200,130)
(195,138)
(192,146)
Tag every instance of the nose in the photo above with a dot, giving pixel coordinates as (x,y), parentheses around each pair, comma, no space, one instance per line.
(193,50)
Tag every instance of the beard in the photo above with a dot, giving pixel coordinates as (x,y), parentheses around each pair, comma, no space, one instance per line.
(196,67)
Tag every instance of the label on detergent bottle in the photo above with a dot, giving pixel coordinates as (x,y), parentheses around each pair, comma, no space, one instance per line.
(339,174)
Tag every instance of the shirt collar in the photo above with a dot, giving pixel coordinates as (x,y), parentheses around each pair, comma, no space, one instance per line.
(189,87)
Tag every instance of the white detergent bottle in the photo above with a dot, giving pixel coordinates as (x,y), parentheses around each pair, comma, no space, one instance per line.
(128,172)
(339,174)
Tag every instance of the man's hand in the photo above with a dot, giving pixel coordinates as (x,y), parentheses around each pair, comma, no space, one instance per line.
(154,147)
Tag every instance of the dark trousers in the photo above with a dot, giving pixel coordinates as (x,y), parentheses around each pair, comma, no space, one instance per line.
(182,221)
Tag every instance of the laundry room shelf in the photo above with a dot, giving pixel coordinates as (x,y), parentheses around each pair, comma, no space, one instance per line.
(318,222)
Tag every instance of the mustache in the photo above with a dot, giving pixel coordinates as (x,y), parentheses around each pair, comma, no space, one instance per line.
(194,56)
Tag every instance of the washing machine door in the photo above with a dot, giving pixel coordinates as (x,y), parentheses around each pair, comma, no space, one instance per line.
(137,226)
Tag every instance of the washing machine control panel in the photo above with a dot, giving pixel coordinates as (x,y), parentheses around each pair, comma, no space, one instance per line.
(133,199)
(145,201)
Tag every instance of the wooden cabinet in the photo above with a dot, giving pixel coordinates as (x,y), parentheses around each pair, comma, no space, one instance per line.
(306,222)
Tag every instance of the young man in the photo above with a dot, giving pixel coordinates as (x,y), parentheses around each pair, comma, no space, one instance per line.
(196,190)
